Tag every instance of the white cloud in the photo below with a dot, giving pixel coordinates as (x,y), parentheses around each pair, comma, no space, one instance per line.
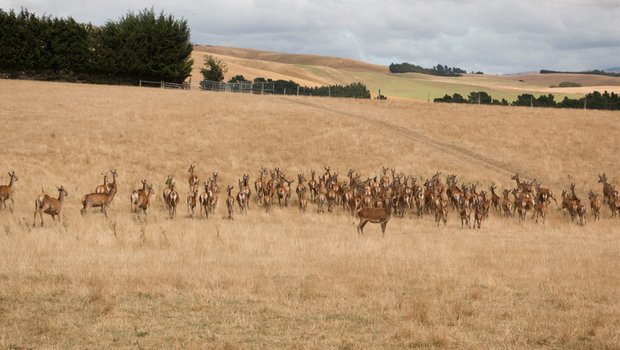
(498,36)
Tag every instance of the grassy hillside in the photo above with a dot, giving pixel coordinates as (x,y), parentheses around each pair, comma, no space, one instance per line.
(284,279)
(315,70)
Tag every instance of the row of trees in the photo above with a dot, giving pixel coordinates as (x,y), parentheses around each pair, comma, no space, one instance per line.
(145,45)
(593,72)
(289,87)
(441,70)
(594,100)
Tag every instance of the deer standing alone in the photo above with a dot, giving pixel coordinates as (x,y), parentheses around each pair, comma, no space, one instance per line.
(6,191)
(376,216)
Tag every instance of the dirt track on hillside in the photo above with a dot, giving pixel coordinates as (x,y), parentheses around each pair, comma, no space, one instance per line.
(419,137)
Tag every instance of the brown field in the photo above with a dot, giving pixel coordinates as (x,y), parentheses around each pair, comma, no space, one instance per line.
(284,279)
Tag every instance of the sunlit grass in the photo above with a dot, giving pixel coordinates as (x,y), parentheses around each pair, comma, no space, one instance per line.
(284,279)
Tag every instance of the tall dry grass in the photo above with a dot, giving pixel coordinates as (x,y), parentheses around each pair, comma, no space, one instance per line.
(286,280)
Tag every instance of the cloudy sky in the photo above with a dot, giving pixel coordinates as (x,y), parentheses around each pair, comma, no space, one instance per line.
(497,36)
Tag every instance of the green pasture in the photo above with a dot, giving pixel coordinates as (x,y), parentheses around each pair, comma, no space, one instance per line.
(423,87)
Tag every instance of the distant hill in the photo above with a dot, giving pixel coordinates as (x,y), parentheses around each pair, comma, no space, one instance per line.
(612,69)
(317,70)
(592,72)
(314,60)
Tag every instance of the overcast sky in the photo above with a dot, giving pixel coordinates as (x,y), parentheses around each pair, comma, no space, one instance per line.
(496,36)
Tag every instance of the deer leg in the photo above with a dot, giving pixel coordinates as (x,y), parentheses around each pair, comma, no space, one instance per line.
(34,220)
(383,226)
(360,227)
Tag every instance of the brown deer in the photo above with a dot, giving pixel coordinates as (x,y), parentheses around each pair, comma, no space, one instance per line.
(313,186)
(607,189)
(242,198)
(107,186)
(507,204)
(479,212)
(192,200)
(136,194)
(267,196)
(98,200)
(330,196)
(246,189)
(173,201)
(595,205)
(141,199)
(495,199)
(581,213)
(103,188)
(284,192)
(543,193)
(303,202)
(192,179)
(230,201)
(215,190)
(48,205)
(6,192)
(521,186)
(205,199)
(441,212)
(167,190)
(258,185)
(300,185)
(376,216)
(465,213)
(540,210)
(614,206)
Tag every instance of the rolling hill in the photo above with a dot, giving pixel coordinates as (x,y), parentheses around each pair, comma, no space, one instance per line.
(314,70)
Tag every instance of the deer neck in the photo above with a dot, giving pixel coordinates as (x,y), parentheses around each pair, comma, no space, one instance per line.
(112,193)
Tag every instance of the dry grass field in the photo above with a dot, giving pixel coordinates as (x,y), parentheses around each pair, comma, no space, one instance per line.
(284,279)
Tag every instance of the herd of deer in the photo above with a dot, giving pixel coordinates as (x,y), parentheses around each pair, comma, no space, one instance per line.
(374,199)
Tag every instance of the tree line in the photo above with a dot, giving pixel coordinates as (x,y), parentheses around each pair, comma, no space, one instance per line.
(441,70)
(593,72)
(144,45)
(593,100)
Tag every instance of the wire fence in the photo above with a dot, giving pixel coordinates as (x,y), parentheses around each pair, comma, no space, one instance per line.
(165,85)
(248,87)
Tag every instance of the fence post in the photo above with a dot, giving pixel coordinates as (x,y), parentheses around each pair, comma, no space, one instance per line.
(329,91)
(297,90)
(162,84)
(262,88)
(585,102)
(140,82)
